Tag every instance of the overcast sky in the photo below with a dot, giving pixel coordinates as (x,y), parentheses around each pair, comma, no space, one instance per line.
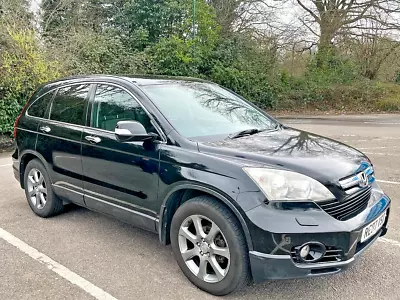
(35,4)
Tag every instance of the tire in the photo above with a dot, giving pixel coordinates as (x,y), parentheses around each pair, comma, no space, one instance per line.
(37,182)
(236,271)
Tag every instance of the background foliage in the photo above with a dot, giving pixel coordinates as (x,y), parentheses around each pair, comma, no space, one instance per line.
(226,45)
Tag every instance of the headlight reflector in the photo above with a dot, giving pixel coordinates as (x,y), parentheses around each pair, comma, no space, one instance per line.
(281,185)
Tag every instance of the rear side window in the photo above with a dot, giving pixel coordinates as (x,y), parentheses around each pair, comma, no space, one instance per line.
(69,104)
(39,107)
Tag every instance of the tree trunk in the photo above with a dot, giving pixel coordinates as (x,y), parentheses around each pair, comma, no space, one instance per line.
(325,45)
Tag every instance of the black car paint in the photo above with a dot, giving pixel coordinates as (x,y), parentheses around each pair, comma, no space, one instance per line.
(143,183)
(318,157)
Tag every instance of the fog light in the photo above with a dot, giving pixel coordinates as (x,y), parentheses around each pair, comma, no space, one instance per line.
(304,251)
(309,252)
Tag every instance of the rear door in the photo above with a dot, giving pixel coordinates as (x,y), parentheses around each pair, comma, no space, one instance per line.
(120,179)
(59,140)
(29,122)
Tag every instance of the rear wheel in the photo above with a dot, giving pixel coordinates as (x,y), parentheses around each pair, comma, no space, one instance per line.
(209,246)
(39,192)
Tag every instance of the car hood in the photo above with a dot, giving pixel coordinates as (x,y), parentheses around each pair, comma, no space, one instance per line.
(321,158)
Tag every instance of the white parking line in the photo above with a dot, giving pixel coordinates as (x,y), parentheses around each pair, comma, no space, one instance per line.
(380,153)
(388,138)
(389,241)
(54,266)
(7,165)
(389,182)
(351,141)
(371,148)
(383,123)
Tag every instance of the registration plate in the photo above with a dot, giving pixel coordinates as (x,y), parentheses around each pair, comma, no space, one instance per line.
(373,227)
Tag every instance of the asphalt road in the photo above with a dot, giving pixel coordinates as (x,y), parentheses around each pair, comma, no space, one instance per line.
(95,255)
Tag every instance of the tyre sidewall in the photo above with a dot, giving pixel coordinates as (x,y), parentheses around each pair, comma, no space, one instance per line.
(237,263)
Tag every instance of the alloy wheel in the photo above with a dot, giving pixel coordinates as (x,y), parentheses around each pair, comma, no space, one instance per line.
(37,188)
(204,248)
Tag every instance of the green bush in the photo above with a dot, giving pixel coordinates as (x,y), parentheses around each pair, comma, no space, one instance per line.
(361,95)
(397,77)
(330,83)
(157,37)
(23,68)
(389,104)
(325,69)
(87,52)
(389,100)
(252,86)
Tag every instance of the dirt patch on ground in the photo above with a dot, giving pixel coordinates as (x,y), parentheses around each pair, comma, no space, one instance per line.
(6,143)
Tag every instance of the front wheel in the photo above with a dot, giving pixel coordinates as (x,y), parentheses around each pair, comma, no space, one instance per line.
(209,246)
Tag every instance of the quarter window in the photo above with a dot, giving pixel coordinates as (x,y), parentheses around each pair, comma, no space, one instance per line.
(113,104)
(39,107)
(69,104)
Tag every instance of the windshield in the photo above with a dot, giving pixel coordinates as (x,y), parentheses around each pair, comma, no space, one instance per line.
(198,109)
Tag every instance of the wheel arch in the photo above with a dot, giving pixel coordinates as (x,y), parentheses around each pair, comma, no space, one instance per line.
(178,195)
(25,158)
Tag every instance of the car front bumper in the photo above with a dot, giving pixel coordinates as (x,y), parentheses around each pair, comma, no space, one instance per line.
(274,267)
(276,233)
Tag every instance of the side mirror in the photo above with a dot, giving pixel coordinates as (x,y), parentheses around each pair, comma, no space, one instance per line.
(132,131)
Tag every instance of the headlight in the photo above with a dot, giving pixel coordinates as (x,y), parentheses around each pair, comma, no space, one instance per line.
(288,186)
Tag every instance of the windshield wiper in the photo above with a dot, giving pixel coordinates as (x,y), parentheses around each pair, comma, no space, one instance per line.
(252,131)
(241,133)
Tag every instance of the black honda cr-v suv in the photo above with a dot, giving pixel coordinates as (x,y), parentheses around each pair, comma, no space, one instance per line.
(239,196)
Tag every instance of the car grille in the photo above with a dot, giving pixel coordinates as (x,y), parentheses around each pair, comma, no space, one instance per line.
(353,183)
(332,254)
(350,207)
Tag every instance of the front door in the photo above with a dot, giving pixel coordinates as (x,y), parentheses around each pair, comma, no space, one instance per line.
(120,179)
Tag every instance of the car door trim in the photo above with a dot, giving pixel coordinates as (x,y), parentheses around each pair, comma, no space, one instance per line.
(124,208)
(148,222)
(117,200)
(121,151)
(27,130)
(57,137)
(69,194)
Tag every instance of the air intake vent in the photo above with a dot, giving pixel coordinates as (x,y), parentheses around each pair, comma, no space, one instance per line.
(349,207)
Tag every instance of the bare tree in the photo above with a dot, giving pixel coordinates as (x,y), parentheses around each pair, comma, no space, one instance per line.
(242,15)
(371,48)
(336,17)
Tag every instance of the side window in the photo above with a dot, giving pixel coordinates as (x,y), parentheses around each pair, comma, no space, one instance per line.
(39,107)
(113,104)
(69,104)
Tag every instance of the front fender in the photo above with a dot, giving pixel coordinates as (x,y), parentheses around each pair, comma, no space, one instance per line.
(187,169)
(195,186)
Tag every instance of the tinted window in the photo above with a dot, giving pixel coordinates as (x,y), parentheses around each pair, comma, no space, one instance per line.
(199,109)
(69,104)
(113,104)
(39,107)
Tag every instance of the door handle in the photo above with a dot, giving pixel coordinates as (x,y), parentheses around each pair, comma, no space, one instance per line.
(93,139)
(46,129)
